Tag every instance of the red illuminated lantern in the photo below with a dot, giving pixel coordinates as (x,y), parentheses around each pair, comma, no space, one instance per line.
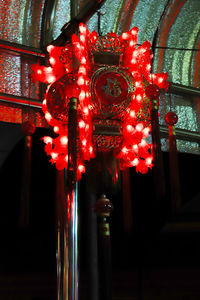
(113,86)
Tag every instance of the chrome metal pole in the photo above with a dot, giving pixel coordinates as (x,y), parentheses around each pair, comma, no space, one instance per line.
(67,260)
(73,236)
(67,250)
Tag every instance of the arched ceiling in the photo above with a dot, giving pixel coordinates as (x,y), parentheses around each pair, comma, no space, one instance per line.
(174,25)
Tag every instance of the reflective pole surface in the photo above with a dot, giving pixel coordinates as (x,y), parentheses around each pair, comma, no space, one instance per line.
(73,246)
(67,250)
(67,245)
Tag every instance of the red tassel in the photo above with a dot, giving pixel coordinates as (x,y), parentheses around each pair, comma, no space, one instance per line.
(25,184)
(171,119)
(127,205)
(153,92)
(28,128)
(159,180)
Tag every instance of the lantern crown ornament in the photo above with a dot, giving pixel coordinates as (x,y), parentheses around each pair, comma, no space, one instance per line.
(112,79)
(107,50)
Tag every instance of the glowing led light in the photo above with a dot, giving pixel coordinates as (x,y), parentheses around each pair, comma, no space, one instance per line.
(51,78)
(148,67)
(52,60)
(85,110)
(152,76)
(49,69)
(50,48)
(39,72)
(143,143)
(64,140)
(66,158)
(47,140)
(91,149)
(81,124)
(124,150)
(129,128)
(78,46)
(82,38)
(125,36)
(138,98)
(131,43)
(146,131)
(135,147)
(54,155)
(134,31)
(48,116)
(135,162)
(134,55)
(80,81)
(134,73)
(82,95)
(139,127)
(138,84)
(133,60)
(84,142)
(132,114)
(142,50)
(56,129)
(83,60)
(82,70)
(82,28)
(44,102)
(160,79)
(148,160)
(81,168)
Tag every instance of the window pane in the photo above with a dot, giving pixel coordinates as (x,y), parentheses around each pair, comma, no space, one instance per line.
(21,20)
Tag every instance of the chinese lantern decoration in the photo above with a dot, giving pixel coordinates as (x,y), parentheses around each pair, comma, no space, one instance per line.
(111,79)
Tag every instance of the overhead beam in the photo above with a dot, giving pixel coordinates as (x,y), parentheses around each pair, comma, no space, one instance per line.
(181,134)
(183,89)
(21,49)
(20,100)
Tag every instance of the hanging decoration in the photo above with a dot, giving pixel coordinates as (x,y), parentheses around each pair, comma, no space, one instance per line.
(171,119)
(112,79)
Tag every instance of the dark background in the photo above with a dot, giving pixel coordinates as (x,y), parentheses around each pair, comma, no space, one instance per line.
(148,246)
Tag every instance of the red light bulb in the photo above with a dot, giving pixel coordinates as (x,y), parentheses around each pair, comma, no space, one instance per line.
(152,91)
(72,90)
(171,118)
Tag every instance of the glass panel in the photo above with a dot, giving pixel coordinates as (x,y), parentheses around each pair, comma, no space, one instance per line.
(182,32)
(182,146)
(62,16)
(11,20)
(20,21)
(15,70)
(119,16)
(186,109)
(146,17)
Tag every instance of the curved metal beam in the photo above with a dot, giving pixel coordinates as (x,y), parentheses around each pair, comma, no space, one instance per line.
(48,22)
(72,26)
